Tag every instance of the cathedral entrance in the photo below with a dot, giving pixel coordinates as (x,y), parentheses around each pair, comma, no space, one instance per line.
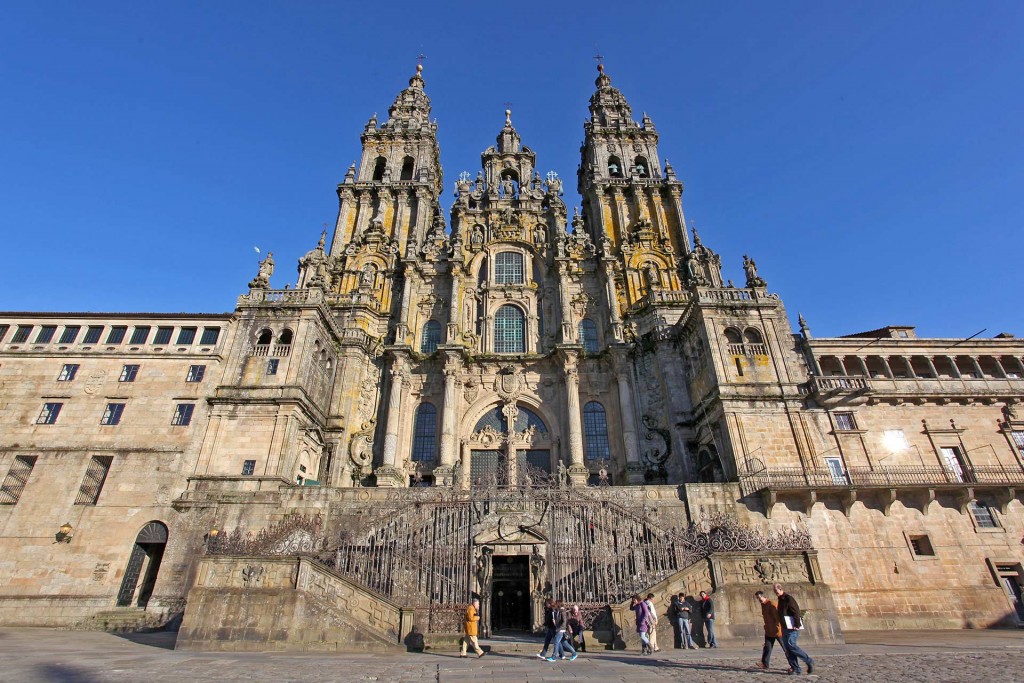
(510,593)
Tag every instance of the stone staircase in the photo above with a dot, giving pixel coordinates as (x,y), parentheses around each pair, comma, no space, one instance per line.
(122,620)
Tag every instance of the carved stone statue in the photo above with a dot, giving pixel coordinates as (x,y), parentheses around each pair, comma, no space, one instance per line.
(540,235)
(651,273)
(508,188)
(477,240)
(750,268)
(483,570)
(262,279)
(537,564)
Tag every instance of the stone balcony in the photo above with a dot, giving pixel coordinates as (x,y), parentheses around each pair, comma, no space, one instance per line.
(848,389)
(885,485)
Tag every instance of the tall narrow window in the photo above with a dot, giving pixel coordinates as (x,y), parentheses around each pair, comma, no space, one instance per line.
(431,337)
(248,467)
(95,476)
(92,334)
(112,414)
(1018,441)
(509,330)
(407,167)
(70,334)
(183,414)
(595,432)
(3,331)
(116,335)
(68,372)
(163,335)
(195,373)
(17,477)
(424,440)
(210,336)
(186,335)
(128,373)
(982,514)
(140,334)
(46,333)
(588,335)
(954,463)
(49,414)
(508,268)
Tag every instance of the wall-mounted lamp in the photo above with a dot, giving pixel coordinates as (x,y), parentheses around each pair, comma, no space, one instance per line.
(65,534)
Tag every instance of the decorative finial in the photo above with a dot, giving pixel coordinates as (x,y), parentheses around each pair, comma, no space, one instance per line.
(508,118)
(419,69)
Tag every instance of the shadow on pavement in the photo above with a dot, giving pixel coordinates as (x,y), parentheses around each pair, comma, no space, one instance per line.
(62,673)
(162,639)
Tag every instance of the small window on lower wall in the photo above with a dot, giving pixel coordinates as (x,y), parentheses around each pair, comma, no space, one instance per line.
(921,545)
(982,515)
(272,366)
(248,467)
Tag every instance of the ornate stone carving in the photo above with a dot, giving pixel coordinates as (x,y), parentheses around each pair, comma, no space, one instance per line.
(509,383)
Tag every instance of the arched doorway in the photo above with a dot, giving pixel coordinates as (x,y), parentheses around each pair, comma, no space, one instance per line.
(143,562)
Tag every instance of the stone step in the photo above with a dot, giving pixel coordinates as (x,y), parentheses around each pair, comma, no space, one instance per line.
(122,620)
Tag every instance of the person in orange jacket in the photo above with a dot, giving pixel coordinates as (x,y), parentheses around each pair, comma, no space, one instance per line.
(472,628)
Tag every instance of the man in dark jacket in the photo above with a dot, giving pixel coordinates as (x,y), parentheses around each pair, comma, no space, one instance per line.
(549,627)
(789,613)
(707,615)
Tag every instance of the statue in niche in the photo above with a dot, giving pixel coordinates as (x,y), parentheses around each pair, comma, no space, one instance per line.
(508,188)
(262,279)
(563,476)
(750,268)
(540,235)
(477,240)
(366,276)
(537,563)
(694,272)
(651,274)
(483,570)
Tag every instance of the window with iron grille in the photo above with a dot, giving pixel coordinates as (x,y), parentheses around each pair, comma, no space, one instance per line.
(248,467)
(509,330)
(70,334)
(92,334)
(163,335)
(484,464)
(508,268)
(845,422)
(195,373)
(588,335)
(17,477)
(21,334)
(186,335)
(1018,441)
(128,373)
(210,335)
(116,334)
(68,372)
(431,337)
(112,414)
(95,476)
(140,334)
(424,440)
(539,458)
(48,415)
(922,545)
(46,333)
(982,514)
(183,414)
(595,432)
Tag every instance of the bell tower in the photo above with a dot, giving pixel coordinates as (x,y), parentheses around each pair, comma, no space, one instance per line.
(631,208)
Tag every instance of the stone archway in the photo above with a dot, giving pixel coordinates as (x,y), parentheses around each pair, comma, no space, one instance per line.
(512,579)
(143,562)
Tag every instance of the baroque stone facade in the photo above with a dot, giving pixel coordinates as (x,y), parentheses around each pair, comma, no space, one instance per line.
(596,353)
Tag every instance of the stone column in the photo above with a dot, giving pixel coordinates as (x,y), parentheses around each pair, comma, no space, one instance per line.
(999,365)
(863,366)
(389,474)
(675,195)
(634,469)
(619,207)
(402,329)
(577,470)
(931,367)
(363,215)
(568,337)
(445,473)
(454,306)
(977,367)
(341,236)
(953,366)
(888,368)
(613,301)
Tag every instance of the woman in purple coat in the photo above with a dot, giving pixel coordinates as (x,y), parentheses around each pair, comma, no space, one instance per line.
(643,622)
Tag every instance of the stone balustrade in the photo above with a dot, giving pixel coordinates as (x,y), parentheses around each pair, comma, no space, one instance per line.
(797,478)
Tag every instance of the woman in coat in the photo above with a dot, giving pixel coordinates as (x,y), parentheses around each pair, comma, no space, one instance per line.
(643,623)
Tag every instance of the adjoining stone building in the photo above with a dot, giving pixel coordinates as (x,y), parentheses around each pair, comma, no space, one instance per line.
(524,403)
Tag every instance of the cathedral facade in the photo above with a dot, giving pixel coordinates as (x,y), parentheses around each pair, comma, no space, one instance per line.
(515,400)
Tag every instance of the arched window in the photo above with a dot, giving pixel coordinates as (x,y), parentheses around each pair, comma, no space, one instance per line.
(595,432)
(588,335)
(285,339)
(709,466)
(525,418)
(614,167)
(379,167)
(732,336)
(509,330)
(752,336)
(508,268)
(643,169)
(265,338)
(431,337)
(407,164)
(424,438)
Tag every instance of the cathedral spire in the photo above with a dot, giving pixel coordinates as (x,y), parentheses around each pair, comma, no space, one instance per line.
(508,139)
(608,106)
(411,108)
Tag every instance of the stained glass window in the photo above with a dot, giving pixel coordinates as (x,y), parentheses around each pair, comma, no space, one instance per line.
(424,440)
(508,268)
(595,432)
(509,330)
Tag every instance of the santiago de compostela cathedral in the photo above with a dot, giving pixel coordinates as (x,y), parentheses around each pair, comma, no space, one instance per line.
(517,400)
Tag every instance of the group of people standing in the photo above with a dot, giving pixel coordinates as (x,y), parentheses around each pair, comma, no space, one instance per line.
(563,625)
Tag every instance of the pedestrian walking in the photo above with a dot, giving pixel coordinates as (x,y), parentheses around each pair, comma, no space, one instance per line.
(642,615)
(707,615)
(772,628)
(576,628)
(681,612)
(561,634)
(789,614)
(653,633)
(471,628)
(549,627)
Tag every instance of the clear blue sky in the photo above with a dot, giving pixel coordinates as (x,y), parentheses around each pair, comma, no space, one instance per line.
(869,156)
